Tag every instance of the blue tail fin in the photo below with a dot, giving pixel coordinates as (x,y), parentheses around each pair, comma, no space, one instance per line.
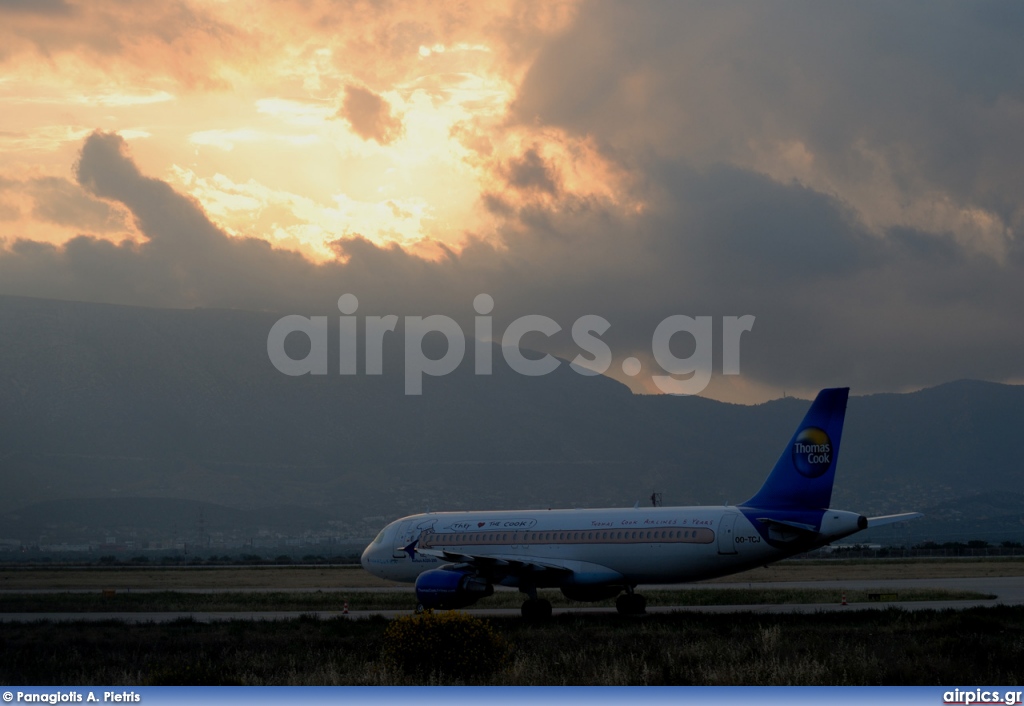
(803,475)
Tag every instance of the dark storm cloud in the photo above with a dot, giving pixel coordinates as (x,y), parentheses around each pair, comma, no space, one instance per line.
(934,91)
(833,302)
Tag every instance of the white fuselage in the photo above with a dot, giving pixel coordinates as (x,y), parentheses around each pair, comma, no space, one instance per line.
(601,546)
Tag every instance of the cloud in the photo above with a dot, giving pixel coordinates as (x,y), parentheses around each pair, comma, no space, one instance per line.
(65,203)
(530,171)
(36,7)
(178,40)
(904,111)
(849,174)
(370,115)
(54,208)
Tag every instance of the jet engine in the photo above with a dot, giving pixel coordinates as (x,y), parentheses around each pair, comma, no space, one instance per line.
(448,588)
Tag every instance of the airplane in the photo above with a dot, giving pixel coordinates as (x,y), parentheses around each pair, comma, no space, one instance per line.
(457,558)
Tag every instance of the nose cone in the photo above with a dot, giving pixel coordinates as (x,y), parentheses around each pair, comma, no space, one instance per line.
(364,559)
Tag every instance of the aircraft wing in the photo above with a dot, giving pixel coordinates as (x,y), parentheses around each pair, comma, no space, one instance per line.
(500,566)
(889,519)
(514,564)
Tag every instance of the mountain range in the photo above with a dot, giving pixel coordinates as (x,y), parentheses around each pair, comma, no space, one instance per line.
(114,407)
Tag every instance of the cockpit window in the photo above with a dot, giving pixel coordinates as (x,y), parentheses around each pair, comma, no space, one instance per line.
(380,537)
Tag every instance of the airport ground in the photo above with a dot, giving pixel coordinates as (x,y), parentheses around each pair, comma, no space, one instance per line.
(285,578)
(781,625)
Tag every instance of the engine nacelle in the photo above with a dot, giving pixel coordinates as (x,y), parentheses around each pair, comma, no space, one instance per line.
(450,588)
(590,593)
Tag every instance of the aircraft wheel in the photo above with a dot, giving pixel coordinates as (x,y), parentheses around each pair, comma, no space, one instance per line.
(536,609)
(631,604)
(639,604)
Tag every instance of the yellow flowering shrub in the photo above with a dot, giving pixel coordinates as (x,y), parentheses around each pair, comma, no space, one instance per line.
(449,643)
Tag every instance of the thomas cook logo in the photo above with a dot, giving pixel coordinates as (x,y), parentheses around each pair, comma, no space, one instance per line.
(812,452)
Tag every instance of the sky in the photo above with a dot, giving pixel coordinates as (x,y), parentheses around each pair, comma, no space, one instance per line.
(850,174)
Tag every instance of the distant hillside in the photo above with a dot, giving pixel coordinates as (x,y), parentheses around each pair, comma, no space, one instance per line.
(100,401)
(992,516)
(122,517)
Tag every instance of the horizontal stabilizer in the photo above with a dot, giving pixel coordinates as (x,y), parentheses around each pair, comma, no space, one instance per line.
(889,519)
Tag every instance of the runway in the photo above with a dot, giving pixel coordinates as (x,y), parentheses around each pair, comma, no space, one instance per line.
(1008,591)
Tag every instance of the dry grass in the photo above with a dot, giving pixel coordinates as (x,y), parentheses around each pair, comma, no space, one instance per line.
(890,647)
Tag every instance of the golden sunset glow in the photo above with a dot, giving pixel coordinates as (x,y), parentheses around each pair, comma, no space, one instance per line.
(285,124)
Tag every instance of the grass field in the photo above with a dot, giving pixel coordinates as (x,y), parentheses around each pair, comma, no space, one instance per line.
(302,577)
(978,645)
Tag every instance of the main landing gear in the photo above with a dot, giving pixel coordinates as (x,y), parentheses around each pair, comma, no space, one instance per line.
(535,608)
(630,603)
